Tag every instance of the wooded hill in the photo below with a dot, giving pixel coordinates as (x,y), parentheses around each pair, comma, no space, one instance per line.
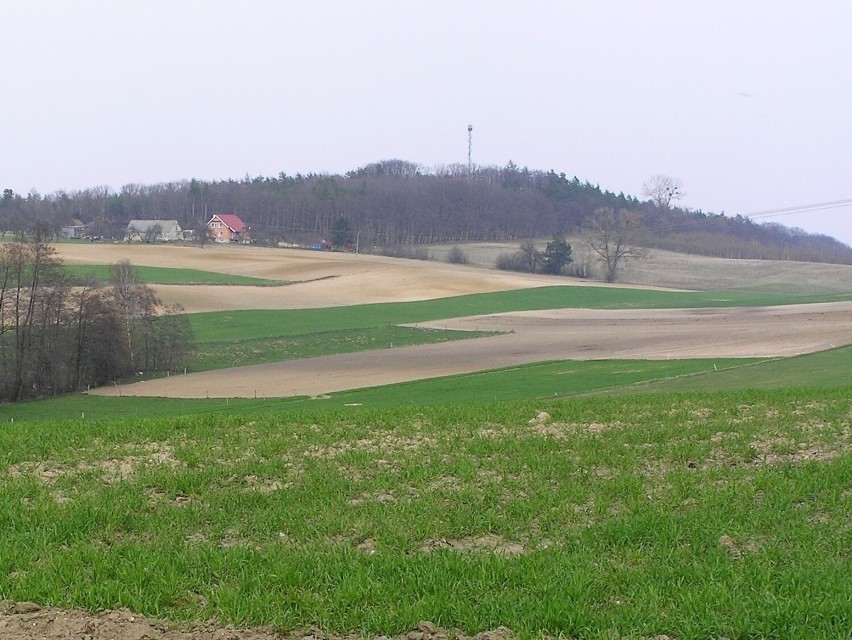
(395,202)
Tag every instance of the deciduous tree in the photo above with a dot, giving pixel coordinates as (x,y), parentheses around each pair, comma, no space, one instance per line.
(613,236)
(530,256)
(663,190)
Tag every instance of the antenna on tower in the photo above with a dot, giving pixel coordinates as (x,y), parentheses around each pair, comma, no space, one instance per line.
(469,149)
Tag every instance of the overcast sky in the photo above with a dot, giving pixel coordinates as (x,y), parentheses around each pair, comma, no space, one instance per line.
(748,103)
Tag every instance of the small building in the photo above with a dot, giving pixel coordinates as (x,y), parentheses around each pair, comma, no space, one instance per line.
(153,231)
(74,231)
(227,227)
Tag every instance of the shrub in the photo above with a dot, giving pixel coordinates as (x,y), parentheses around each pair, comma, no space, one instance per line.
(512,262)
(456,255)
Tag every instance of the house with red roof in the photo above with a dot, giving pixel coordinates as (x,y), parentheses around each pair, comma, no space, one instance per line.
(227,227)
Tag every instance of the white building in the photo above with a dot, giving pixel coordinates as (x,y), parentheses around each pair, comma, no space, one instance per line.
(153,231)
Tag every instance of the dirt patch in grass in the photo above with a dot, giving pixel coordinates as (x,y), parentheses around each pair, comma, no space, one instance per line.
(29,621)
(476,544)
(384,443)
(773,451)
(110,471)
(737,549)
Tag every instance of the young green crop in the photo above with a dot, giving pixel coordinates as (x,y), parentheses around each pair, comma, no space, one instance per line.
(692,516)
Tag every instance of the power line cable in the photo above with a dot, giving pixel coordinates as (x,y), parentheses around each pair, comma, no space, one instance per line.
(804,208)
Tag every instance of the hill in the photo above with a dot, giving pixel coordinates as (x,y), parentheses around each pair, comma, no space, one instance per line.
(393,203)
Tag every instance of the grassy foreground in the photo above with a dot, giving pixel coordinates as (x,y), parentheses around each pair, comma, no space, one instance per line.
(696,516)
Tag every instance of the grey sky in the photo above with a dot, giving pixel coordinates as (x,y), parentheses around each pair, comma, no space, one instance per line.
(748,103)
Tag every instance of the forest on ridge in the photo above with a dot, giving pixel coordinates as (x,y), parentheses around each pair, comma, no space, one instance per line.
(396,202)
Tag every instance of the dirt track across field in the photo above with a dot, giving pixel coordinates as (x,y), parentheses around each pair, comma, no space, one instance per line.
(579,334)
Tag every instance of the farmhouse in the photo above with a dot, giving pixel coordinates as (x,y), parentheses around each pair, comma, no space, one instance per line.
(227,227)
(74,231)
(153,231)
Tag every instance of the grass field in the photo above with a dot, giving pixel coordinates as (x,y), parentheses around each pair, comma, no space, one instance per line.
(695,516)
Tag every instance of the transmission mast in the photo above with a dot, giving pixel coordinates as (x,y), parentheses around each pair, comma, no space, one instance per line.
(469,149)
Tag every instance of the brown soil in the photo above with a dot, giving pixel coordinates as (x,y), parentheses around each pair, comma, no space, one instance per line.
(318,278)
(28,621)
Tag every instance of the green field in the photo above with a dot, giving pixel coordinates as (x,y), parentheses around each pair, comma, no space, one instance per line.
(690,515)
(166,275)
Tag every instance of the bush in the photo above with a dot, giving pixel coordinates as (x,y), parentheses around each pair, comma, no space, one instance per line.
(402,251)
(512,262)
(457,256)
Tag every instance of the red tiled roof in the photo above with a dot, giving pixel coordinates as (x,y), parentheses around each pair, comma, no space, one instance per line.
(233,221)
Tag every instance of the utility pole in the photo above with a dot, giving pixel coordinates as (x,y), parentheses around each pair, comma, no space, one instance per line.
(469,149)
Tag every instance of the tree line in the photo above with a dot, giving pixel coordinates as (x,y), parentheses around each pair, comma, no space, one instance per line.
(59,333)
(395,202)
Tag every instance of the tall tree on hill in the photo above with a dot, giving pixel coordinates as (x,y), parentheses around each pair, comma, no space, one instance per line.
(613,236)
(663,190)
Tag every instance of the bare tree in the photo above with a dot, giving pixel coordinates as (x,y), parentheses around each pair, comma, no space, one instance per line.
(32,293)
(201,233)
(138,303)
(662,190)
(530,256)
(171,341)
(153,232)
(613,237)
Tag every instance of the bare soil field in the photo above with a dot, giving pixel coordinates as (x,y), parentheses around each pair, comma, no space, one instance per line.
(579,334)
(320,278)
